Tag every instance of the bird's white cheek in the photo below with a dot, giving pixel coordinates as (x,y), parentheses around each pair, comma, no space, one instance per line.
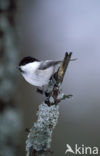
(26,77)
(22,67)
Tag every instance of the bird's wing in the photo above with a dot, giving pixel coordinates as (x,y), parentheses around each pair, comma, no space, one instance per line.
(45,64)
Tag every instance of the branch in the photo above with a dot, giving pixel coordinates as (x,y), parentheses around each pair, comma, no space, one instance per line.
(40,135)
(63,67)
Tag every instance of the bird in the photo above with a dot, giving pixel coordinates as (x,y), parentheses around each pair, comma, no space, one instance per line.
(36,72)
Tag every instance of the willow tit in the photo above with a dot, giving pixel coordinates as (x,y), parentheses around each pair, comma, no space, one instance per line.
(38,73)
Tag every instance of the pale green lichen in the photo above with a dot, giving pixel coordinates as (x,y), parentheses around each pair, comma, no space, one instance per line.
(60,96)
(51,99)
(40,134)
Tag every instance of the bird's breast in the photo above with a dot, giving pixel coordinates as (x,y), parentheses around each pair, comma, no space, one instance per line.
(39,77)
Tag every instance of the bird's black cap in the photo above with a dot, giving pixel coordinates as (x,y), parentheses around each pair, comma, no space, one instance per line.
(26,60)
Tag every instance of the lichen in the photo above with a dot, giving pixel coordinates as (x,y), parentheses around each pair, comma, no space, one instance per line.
(60,96)
(40,134)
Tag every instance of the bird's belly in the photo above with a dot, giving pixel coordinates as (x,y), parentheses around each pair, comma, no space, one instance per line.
(37,80)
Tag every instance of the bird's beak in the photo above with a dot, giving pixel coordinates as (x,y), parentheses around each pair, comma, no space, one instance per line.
(19,68)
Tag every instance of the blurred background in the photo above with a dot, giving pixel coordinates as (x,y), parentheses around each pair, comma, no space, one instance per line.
(46,30)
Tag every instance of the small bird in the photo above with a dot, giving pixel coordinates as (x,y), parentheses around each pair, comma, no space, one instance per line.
(36,72)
